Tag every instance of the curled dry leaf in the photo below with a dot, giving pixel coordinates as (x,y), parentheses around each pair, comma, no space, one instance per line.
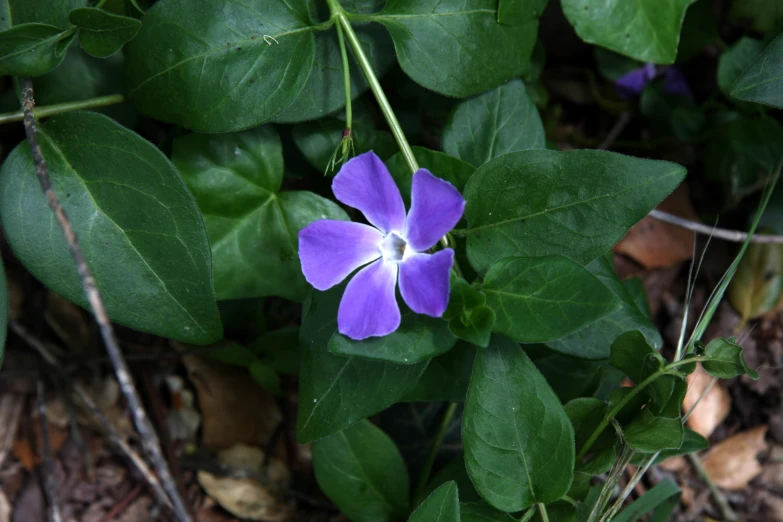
(255,490)
(234,408)
(712,409)
(656,244)
(732,463)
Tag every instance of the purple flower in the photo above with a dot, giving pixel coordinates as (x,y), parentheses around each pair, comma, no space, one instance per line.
(634,82)
(394,245)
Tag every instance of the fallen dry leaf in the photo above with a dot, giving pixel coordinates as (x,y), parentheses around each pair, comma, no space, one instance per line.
(182,419)
(712,409)
(732,463)
(254,497)
(234,409)
(28,455)
(656,244)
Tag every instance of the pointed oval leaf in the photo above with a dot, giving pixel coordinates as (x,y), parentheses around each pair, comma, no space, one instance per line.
(519,443)
(30,49)
(539,299)
(762,80)
(649,433)
(647,30)
(736,59)
(633,356)
(576,203)
(251,226)
(52,12)
(442,44)
(482,512)
(446,378)
(153,267)
(334,391)
(723,359)
(185,68)
(499,121)
(103,34)
(441,506)
(361,470)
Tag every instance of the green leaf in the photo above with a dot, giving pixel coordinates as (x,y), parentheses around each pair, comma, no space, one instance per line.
(571,377)
(723,359)
(482,512)
(699,29)
(468,318)
(649,433)
(442,44)
(764,15)
(538,299)
(153,267)
(362,472)
(613,66)
(265,376)
(595,340)
(334,391)
(441,506)
(633,356)
(494,123)
(446,378)
(646,30)
(419,338)
(585,414)
(576,203)
(519,443)
(51,12)
(185,68)
(514,12)
(757,286)
(664,494)
(736,59)
(251,226)
(691,442)
(30,49)
(324,91)
(233,353)
(762,80)
(3,312)
(453,471)
(279,349)
(103,34)
(453,170)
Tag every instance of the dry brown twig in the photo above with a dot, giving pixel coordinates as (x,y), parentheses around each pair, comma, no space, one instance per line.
(146,431)
(47,468)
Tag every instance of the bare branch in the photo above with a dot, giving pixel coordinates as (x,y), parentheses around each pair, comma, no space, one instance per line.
(146,431)
(721,233)
(47,469)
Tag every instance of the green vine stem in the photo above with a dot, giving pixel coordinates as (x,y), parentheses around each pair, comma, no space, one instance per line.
(340,16)
(437,440)
(528,514)
(542,512)
(58,108)
(346,78)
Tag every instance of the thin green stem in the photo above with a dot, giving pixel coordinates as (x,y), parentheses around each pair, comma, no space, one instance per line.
(364,63)
(542,511)
(528,514)
(346,78)
(58,108)
(437,440)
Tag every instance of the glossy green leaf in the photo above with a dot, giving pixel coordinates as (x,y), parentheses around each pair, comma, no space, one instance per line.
(757,286)
(764,15)
(576,203)
(613,66)
(442,44)
(649,433)
(279,349)
(633,356)
(453,170)
(646,30)
(51,12)
(468,318)
(233,353)
(362,472)
(482,512)
(335,391)
(441,506)
(454,471)
(595,340)
(514,12)
(419,338)
(499,121)
(251,226)
(446,378)
(585,414)
(539,299)
(570,377)
(762,80)
(103,34)
(185,68)
(691,442)
(3,311)
(30,49)
(519,443)
(736,59)
(324,93)
(265,376)
(723,359)
(153,267)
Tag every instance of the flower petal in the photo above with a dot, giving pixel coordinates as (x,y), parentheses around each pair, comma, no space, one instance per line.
(635,81)
(424,282)
(369,307)
(675,83)
(330,250)
(436,206)
(364,183)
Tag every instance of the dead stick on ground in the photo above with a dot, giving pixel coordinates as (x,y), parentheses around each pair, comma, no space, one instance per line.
(146,431)
(720,233)
(47,470)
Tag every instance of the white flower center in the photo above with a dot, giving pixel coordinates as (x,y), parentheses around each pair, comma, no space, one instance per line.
(392,247)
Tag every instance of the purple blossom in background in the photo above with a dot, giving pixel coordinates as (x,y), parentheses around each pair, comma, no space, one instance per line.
(394,245)
(634,82)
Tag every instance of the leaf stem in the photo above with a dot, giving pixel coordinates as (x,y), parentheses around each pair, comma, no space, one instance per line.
(346,78)
(339,14)
(528,514)
(58,108)
(437,440)
(542,511)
